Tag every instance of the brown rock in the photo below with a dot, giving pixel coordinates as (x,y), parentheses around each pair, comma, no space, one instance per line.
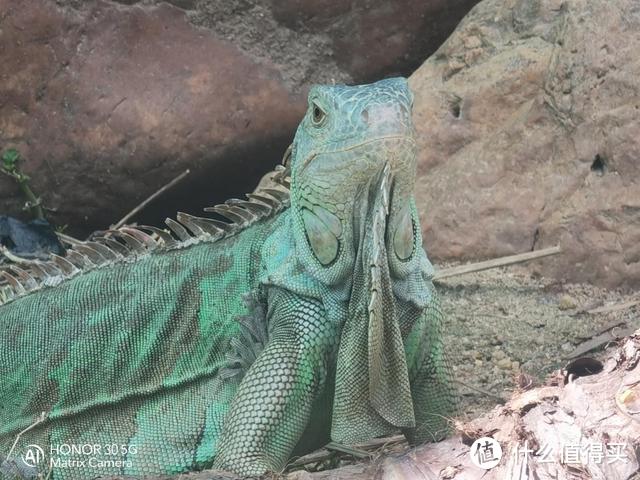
(376,38)
(109,100)
(108,103)
(528,121)
(334,40)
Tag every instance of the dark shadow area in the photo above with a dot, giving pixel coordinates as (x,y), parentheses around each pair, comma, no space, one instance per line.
(237,174)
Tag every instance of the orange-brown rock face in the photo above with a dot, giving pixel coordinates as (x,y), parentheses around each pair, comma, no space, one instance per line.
(529,127)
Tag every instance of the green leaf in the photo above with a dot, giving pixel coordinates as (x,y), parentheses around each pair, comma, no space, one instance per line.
(10,159)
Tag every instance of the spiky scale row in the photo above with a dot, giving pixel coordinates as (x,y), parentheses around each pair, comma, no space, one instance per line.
(128,242)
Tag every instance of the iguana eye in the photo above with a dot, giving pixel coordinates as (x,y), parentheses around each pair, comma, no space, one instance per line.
(317,115)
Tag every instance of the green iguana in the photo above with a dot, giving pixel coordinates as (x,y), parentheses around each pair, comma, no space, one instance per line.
(308,315)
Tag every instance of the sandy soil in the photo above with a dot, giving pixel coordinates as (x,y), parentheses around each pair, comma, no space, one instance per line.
(505,321)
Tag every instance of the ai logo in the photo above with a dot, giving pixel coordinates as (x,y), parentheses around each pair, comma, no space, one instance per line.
(33,456)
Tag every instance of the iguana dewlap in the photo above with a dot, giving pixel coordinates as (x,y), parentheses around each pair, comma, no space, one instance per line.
(308,315)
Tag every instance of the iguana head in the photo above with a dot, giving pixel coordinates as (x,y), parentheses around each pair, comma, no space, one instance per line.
(347,140)
(356,230)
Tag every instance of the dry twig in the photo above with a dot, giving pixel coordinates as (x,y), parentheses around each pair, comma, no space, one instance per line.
(495,263)
(149,199)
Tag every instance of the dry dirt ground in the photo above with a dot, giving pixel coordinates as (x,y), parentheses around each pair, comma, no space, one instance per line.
(502,322)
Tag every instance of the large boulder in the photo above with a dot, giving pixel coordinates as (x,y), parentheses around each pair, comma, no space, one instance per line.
(375,38)
(108,100)
(108,103)
(529,127)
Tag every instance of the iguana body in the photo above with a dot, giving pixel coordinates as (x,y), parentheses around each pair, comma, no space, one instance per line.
(310,317)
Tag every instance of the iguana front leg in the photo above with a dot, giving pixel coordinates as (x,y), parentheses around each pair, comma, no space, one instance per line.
(274,400)
(432,390)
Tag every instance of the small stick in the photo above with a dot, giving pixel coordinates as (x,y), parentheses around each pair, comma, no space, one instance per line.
(149,199)
(33,202)
(600,340)
(324,453)
(381,442)
(495,396)
(354,452)
(68,239)
(606,328)
(615,308)
(313,457)
(40,419)
(495,263)
(5,252)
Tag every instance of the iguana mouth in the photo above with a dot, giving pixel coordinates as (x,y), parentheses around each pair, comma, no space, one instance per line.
(352,146)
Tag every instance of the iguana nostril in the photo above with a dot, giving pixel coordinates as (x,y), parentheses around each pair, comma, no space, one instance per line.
(365,116)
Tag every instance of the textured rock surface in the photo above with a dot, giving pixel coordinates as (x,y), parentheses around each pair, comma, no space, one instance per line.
(375,38)
(324,40)
(109,103)
(529,126)
(109,100)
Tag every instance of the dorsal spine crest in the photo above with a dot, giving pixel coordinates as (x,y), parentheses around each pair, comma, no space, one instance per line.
(129,243)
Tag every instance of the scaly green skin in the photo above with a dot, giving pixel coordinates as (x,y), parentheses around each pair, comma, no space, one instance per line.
(139,354)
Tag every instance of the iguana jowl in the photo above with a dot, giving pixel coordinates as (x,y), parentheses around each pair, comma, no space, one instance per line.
(309,316)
